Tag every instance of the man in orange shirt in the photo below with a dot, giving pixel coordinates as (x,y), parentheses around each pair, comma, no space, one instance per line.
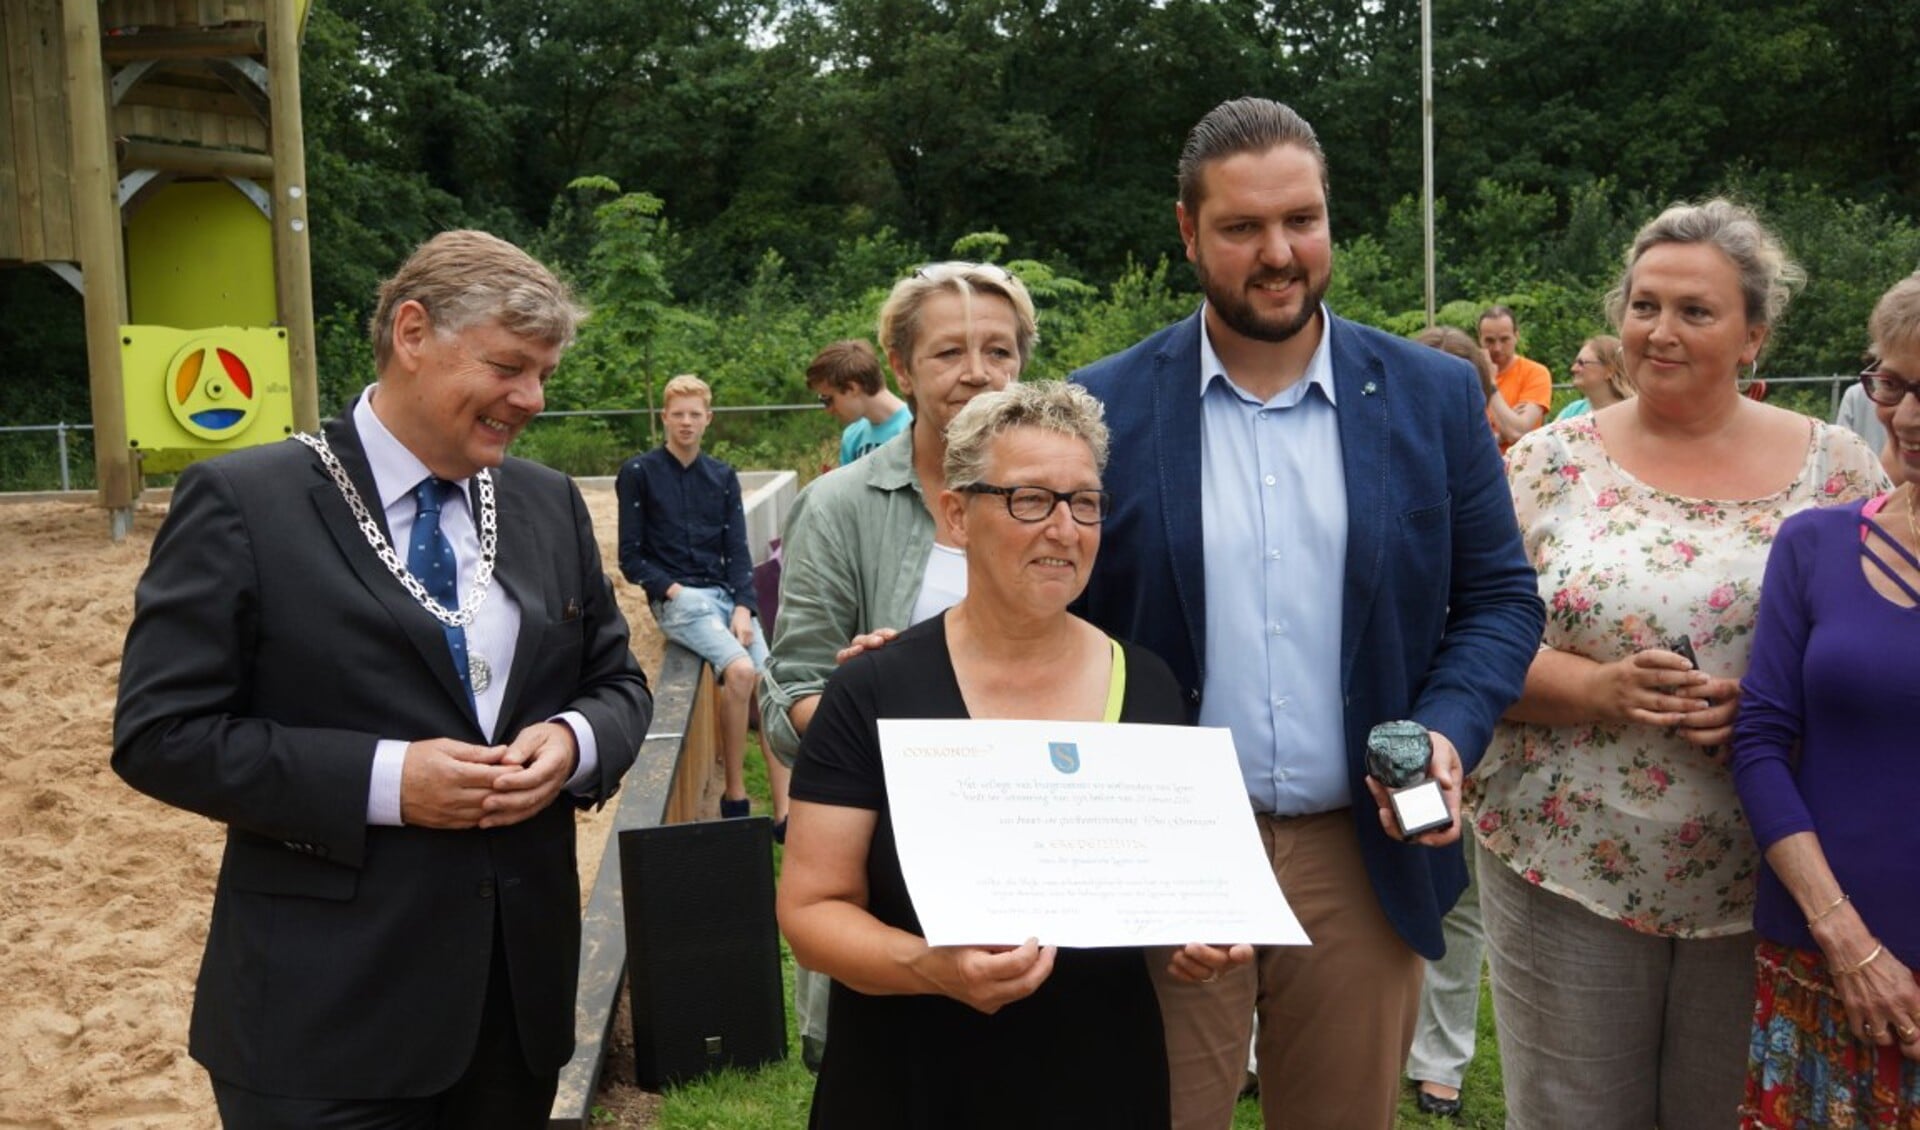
(1522,389)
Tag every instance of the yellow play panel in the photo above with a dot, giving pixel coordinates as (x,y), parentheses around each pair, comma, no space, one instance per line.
(199,253)
(193,394)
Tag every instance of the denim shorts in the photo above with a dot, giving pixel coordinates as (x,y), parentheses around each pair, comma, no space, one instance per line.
(700,620)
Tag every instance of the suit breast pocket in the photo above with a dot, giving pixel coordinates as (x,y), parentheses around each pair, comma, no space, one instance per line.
(1427,518)
(562,645)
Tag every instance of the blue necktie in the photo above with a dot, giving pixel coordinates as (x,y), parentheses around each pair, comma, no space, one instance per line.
(430,558)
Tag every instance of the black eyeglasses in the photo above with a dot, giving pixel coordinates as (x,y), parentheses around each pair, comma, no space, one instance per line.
(1035,504)
(1887,389)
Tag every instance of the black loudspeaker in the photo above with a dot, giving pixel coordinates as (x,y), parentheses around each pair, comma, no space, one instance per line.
(703,954)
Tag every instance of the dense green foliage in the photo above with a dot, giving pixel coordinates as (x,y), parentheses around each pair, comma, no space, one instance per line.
(733,183)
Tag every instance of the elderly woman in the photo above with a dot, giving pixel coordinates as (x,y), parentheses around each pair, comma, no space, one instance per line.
(1823,760)
(1600,373)
(968,1036)
(1616,869)
(862,553)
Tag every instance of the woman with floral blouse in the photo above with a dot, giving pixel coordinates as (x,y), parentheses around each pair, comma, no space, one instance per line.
(1616,868)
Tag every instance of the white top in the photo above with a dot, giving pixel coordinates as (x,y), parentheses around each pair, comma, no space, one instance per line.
(943,584)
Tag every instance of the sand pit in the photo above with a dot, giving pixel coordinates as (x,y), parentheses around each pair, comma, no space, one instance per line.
(104,902)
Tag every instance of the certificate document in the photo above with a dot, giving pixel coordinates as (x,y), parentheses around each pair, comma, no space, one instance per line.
(1079,834)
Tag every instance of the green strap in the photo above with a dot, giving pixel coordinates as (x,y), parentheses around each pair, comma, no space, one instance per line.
(1116,682)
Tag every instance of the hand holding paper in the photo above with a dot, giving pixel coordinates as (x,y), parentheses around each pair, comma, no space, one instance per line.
(987,978)
(1078,834)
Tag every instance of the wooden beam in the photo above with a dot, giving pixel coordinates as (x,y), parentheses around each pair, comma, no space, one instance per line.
(28,83)
(194,160)
(96,208)
(168,95)
(51,114)
(292,248)
(11,212)
(694,774)
(184,43)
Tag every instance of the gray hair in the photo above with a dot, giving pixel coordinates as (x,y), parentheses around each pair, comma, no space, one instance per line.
(900,315)
(466,277)
(1768,277)
(1053,406)
(1244,125)
(1895,323)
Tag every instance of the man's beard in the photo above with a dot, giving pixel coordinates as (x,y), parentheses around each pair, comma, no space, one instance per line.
(1243,319)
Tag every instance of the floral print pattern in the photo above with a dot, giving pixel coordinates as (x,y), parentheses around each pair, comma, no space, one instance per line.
(1630,821)
(1806,1070)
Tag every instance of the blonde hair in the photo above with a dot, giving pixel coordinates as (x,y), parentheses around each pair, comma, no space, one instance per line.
(1895,323)
(686,384)
(1052,406)
(900,315)
(1606,350)
(465,277)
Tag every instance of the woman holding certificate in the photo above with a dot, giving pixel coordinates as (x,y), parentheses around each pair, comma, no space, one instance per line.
(967,1036)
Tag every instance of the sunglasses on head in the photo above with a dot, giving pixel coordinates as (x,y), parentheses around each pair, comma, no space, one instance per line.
(957,268)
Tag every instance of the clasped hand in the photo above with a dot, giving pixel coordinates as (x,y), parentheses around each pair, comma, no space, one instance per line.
(1658,687)
(454,784)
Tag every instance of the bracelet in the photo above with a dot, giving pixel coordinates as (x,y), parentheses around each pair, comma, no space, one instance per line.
(1836,904)
(1856,967)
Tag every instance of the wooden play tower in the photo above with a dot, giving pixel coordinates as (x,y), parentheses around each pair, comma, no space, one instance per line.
(151,155)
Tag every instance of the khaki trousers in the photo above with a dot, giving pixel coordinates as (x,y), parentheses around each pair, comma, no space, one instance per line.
(1335,1017)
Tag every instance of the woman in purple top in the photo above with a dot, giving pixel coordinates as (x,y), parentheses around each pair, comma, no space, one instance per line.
(1818,753)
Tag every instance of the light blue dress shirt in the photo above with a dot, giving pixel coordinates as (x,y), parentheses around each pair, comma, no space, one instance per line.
(1273,501)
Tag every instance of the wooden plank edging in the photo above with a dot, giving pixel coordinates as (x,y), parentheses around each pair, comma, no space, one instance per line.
(646,792)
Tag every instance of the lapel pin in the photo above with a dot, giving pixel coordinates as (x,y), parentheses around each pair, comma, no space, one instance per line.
(1369,389)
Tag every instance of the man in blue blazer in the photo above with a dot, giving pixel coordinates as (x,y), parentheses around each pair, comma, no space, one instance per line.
(1311,525)
(396,925)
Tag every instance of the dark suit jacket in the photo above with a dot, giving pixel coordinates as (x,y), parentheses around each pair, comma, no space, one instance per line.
(270,649)
(1440,610)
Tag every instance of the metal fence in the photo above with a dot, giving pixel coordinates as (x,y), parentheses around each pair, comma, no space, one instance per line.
(1834,385)
(63,449)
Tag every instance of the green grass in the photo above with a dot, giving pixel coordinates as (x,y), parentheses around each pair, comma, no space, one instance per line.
(777,1097)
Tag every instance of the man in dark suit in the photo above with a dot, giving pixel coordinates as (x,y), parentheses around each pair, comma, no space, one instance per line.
(1311,526)
(380,657)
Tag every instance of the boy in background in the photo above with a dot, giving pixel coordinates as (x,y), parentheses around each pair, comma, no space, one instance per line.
(683,538)
(846,377)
